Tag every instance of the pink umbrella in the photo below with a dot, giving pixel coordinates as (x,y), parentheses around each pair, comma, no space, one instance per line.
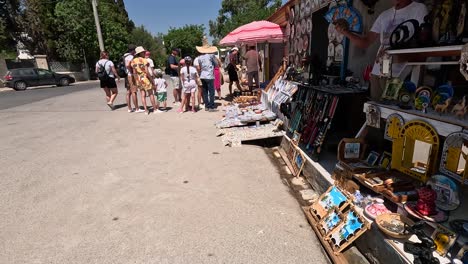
(257,31)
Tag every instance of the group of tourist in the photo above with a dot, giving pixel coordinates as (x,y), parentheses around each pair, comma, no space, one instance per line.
(189,79)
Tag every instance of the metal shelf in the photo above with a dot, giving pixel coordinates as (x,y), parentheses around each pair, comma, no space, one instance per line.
(439,51)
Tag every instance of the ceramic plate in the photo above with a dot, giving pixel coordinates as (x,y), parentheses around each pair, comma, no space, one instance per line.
(297,12)
(299,45)
(331,33)
(339,52)
(293,32)
(303,26)
(314,5)
(303,10)
(298,29)
(291,16)
(461,20)
(305,43)
(288,30)
(309,25)
(339,37)
(331,49)
(447,192)
(308,8)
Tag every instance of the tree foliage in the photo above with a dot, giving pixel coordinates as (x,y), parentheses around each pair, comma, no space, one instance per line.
(8,26)
(235,13)
(142,37)
(184,38)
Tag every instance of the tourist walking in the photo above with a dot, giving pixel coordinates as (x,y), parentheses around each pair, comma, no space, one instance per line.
(188,76)
(199,98)
(232,69)
(129,82)
(206,64)
(142,78)
(150,62)
(254,64)
(106,72)
(172,69)
(218,80)
(160,87)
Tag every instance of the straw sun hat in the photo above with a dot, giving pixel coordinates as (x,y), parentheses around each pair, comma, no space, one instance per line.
(206,48)
(139,49)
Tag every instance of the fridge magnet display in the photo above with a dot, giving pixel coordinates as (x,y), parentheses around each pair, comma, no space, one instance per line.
(454,161)
(444,239)
(333,197)
(347,232)
(392,88)
(393,126)
(385,160)
(373,116)
(339,53)
(372,158)
(330,222)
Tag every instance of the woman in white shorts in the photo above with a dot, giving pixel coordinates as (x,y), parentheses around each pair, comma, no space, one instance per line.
(188,75)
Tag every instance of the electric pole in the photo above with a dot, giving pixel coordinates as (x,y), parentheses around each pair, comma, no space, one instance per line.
(98,25)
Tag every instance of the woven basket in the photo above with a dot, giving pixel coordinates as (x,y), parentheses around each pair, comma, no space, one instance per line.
(382,219)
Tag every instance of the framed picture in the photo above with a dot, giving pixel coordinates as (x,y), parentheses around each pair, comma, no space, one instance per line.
(298,163)
(392,88)
(372,158)
(385,160)
(352,150)
(444,239)
(296,138)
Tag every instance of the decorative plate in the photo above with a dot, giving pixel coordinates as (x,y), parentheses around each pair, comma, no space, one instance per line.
(303,26)
(339,37)
(309,25)
(297,11)
(461,19)
(293,31)
(339,52)
(303,10)
(288,30)
(447,192)
(299,45)
(298,29)
(308,7)
(291,15)
(305,43)
(331,49)
(331,32)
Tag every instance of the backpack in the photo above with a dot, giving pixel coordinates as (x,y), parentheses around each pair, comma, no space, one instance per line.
(102,74)
(122,68)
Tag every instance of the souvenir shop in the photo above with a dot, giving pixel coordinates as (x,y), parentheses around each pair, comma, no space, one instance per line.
(392,174)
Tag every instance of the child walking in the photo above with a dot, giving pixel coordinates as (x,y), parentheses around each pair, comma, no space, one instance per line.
(188,74)
(160,90)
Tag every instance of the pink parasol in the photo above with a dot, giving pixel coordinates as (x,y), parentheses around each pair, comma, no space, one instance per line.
(257,31)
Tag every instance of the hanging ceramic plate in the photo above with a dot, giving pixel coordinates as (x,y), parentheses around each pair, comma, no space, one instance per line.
(447,192)
(299,45)
(308,8)
(303,10)
(291,15)
(314,5)
(309,25)
(303,26)
(339,37)
(298,29)
(331,33)
(287,30)
(297,61)
(331,49)
(339,52)
(461,19)
(297,11)
(305,43)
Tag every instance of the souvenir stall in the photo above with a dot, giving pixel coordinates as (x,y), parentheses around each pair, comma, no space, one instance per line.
(399,189)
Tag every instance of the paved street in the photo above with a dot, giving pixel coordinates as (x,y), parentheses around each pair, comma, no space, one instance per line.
(82,184)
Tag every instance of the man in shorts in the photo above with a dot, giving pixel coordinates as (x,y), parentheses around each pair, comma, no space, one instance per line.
(172,69)
(129,82)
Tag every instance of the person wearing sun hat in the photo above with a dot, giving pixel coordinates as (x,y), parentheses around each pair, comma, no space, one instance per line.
(142,78)
(206,64)
(232,69)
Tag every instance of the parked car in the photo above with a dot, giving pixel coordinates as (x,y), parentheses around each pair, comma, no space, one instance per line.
(20,79)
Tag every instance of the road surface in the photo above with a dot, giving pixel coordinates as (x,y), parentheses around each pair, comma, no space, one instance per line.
(83,184)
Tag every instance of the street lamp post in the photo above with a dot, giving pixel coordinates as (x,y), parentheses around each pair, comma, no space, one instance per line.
(98,25)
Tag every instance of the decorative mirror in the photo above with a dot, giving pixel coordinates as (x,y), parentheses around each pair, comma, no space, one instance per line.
(415,150)
(393,126)
(454,156)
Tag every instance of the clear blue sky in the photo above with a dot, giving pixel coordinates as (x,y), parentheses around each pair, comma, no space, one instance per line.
(159,15)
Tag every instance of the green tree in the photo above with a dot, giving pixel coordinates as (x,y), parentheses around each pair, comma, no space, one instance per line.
(142,37)
(235,13)
(37,22)
(77,31)
(184,38)
(8,26)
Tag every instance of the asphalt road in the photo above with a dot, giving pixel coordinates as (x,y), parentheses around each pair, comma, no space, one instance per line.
(83,184)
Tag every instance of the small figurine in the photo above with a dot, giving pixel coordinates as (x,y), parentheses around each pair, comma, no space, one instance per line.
(461,113)
(442,108)
(460,105)
(422,251)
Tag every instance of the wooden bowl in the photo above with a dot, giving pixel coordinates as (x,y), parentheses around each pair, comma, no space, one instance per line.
(383,221)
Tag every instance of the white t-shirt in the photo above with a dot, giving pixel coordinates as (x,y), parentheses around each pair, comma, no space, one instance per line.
(128,59)
(107,65)
(188,77)
(150,61)
(160,84)
(387,22)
